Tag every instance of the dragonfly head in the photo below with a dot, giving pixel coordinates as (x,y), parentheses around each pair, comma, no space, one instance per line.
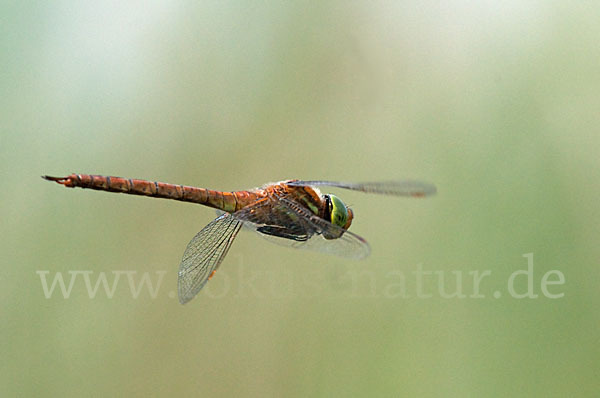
(339,214)
(350,217)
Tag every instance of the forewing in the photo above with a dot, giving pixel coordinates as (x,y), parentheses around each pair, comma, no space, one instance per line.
(204,254)
(395,188)
(309,230)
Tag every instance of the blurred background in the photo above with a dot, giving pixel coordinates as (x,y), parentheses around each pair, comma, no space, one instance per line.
(494,102)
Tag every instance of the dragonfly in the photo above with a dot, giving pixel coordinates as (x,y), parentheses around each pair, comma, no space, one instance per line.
(292,213)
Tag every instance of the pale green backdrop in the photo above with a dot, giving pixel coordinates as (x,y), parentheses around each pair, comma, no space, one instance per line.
(497,103)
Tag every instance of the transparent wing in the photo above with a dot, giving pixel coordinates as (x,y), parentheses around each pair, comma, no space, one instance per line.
(204,254)
(396,188)
(285,222)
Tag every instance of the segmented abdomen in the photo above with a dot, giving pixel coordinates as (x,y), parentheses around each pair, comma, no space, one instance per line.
(226,201)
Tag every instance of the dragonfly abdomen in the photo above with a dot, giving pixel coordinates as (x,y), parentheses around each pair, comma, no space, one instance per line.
(226,201)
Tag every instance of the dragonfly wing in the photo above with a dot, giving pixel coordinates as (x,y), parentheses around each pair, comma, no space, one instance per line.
(287,223)
(204,254)
(396,188)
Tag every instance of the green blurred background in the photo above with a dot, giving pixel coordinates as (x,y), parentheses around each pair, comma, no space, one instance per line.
(495,102)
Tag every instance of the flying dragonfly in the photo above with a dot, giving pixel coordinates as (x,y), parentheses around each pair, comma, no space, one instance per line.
(293,213)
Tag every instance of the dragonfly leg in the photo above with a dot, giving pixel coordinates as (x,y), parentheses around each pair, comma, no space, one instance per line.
(282,232)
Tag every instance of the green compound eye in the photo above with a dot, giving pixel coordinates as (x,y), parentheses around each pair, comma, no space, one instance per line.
(339,213)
